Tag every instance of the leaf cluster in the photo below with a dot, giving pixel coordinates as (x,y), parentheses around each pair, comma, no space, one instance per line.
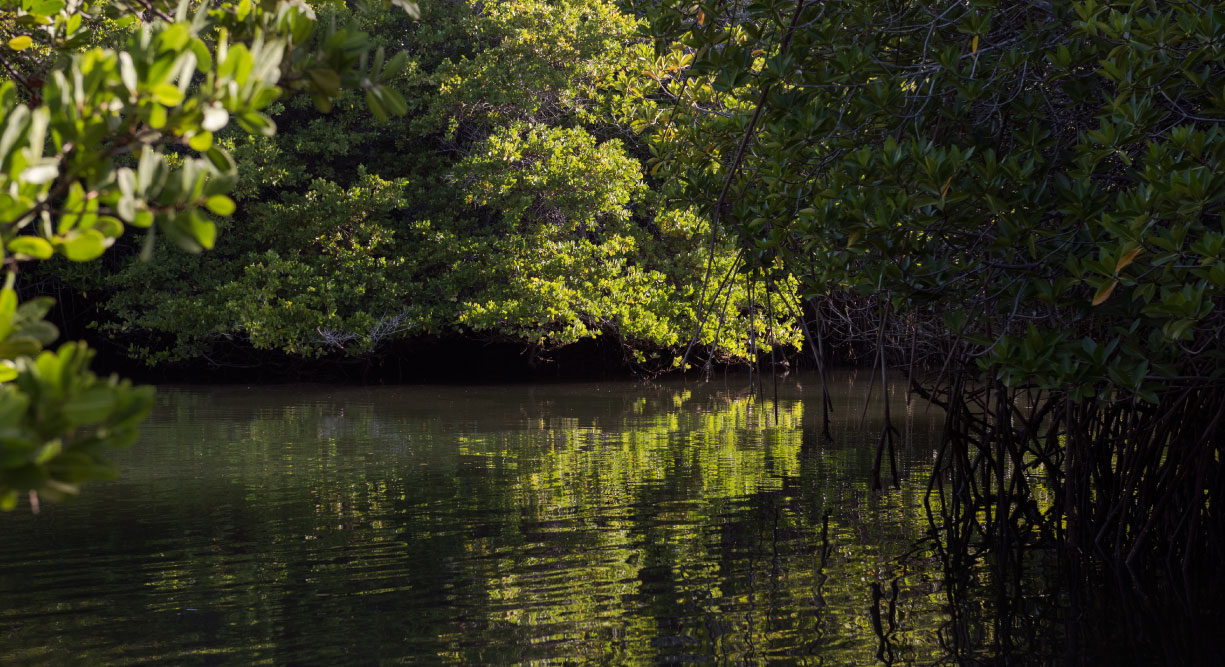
(1038,185)
(118,130)
(507,204)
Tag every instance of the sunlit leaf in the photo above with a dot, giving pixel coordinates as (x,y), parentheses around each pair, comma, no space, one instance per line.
(168,94)
(84,245)
(1104,292)
(41,173)
(33,246)
(1126,259)
(201,141)
(220,205)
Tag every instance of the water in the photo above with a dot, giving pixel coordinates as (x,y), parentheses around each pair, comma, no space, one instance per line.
(614,523)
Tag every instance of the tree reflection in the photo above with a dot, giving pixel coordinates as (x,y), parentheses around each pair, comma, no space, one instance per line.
(621,524)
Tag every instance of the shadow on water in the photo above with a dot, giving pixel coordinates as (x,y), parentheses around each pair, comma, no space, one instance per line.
(614,523)
(1079,533)
(1038,607)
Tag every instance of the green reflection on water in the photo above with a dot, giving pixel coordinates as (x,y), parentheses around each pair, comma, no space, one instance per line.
(617,523)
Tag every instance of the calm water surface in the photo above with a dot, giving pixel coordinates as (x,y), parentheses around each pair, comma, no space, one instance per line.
(616,523)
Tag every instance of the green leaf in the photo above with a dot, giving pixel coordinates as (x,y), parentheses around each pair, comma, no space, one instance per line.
(204,230)
(394,101)
(47,7)
(178,230)
(257,123)
(395,66)
(221,160)
(204,58)
(1179,329)
(111,227)
(157,116)
(42,331)
(20,43)
(90,406)
(220,205)
(168,94)
(146,248)
(19,347)
(84,245)
(141,218)
(36,308)
(327,81)
(322,102)
(33,246)
(174,37)
(8,307)
(48,451)
(376,105)
(201,141)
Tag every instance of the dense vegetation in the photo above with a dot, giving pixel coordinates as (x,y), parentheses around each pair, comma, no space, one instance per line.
(1043,184)
(457,174)
(1021,203)
(506,204)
